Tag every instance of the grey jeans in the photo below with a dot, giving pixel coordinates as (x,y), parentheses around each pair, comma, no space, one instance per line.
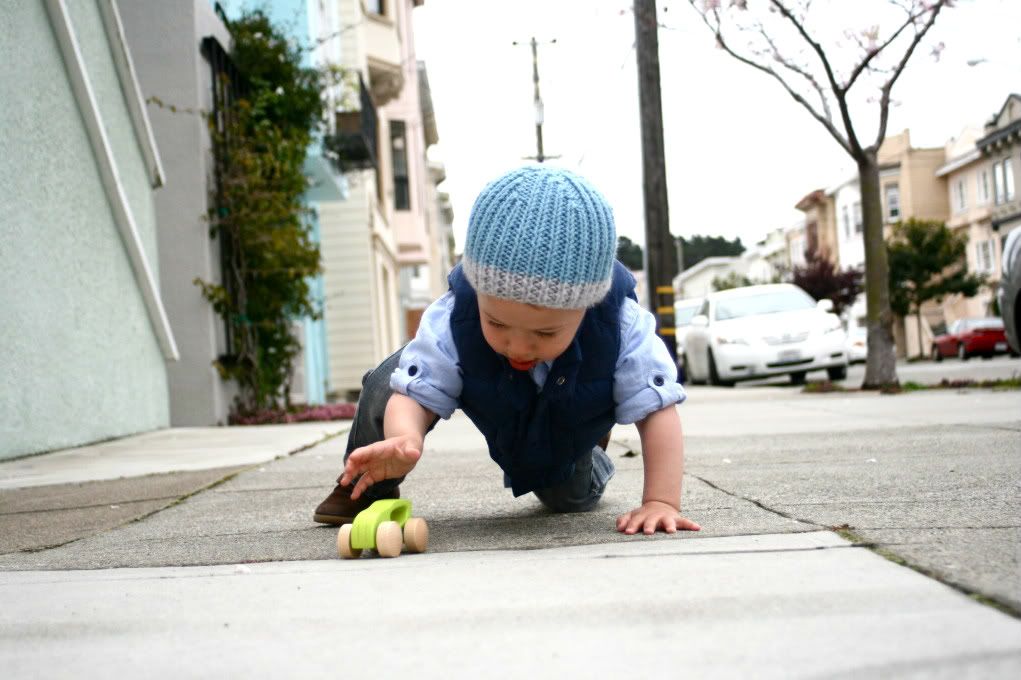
(580,493)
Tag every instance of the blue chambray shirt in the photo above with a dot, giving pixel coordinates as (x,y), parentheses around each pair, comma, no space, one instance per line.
(644,381)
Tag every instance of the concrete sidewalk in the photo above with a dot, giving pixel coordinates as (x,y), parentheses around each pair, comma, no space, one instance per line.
(929,479)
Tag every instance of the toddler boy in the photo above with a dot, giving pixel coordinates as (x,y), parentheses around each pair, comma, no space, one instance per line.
(541,342)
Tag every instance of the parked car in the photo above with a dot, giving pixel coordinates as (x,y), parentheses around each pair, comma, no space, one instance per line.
(684,312)
(970,337)
(761,331)
(857,345)
(1007,294)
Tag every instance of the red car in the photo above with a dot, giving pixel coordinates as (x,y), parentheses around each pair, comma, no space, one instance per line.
(968,337)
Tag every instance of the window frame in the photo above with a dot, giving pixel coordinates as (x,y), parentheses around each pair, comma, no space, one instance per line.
(891,190)
(960,195)
(399,160)
(982,188)
(1008,180)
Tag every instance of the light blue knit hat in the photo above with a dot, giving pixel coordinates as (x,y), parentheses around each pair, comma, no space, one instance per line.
(542,236)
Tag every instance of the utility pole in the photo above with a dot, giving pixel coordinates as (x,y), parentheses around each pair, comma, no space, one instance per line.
(539,112)
(660,251)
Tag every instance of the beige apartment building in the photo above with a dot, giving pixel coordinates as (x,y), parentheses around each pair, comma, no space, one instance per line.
(833,217)
(970,192)
(820,227)
(1001,148)
(381,242)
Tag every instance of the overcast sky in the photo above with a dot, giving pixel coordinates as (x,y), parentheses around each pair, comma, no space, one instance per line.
(739,151)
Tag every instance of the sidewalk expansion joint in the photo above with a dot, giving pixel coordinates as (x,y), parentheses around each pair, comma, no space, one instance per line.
(86,507)
(884,550)
(176,500)
(846,532)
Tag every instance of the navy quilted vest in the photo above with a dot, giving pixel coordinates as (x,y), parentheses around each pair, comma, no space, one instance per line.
(536,436)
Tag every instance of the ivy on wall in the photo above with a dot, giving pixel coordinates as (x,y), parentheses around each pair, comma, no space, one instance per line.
(259,216)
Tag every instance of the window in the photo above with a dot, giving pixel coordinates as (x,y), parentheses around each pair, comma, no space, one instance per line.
(375,7)
(983,187)
(984,256)
(892,204)
(798,252)
(399,149)
(960,198)
(856,209)
(847,222)
(998,183)
(1008,181)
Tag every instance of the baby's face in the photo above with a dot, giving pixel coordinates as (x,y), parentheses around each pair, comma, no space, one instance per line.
(527,334)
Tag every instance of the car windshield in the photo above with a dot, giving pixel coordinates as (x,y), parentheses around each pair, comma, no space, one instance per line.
(684,315)
(770,302)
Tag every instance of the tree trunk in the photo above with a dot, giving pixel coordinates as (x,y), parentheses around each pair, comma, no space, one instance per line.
(921,347)
(881,362)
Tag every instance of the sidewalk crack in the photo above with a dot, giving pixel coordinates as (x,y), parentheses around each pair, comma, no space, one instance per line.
(761,505)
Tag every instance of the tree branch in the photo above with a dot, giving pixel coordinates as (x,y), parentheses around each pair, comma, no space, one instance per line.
(800,71)
(884,102)
(886,43)
(840,93)
(797,97)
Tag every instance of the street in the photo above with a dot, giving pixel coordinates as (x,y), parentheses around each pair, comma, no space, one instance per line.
(882,524)
(924,372)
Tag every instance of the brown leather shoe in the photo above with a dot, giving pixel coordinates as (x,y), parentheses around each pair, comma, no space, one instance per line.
(340,508)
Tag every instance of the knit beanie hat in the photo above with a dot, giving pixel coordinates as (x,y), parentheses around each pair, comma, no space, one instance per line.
(543,236)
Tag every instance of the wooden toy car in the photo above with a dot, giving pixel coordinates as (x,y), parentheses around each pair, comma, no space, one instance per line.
(383,526)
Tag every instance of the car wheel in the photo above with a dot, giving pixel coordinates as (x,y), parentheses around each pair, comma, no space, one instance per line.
(936,354)
(798,377)
(962,353)
(837,372)
(714,377)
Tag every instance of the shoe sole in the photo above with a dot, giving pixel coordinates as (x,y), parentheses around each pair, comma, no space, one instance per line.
(332,519)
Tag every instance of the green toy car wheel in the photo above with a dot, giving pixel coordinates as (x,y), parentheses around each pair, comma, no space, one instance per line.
(389,539)
(344,548)
(416,535)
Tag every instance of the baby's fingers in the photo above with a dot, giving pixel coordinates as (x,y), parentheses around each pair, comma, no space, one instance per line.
(685,524)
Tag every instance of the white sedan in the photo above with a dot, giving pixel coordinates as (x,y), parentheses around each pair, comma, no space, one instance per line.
(761,331)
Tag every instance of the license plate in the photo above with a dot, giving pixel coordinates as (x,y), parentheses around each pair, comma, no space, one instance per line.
(790,355)
(1001,347)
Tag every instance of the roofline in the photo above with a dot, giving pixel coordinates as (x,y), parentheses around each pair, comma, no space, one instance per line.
(999,111)
(705,264)
(959,162)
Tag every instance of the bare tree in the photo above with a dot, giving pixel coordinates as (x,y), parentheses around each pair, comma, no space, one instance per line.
(794,43)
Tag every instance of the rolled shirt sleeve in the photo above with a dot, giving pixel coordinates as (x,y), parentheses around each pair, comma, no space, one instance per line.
(645,379)
(428,371)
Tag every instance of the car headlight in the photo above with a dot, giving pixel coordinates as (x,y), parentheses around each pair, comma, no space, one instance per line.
(731,340)
(832,325)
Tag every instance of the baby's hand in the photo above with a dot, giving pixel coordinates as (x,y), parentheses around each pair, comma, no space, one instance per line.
(388,459)
(654,515)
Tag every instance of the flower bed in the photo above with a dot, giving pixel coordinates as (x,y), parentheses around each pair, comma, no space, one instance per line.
(297,414)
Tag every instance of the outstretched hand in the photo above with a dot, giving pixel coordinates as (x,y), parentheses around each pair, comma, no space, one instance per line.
(653,516)
(387,459)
